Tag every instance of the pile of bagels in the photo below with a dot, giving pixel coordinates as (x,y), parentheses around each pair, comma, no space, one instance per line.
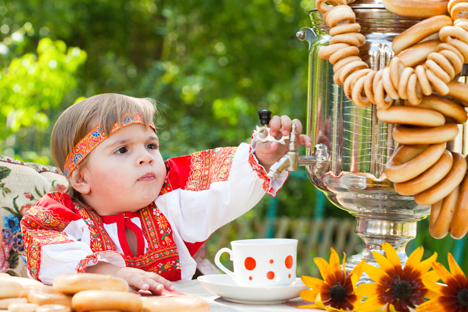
(418,92)
(86,292)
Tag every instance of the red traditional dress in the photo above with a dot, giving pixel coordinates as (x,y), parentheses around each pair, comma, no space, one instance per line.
(202,192)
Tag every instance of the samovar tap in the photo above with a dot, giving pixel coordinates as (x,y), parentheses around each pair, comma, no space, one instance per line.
(291,160)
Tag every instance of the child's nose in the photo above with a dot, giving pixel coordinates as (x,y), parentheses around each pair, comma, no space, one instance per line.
(145,158)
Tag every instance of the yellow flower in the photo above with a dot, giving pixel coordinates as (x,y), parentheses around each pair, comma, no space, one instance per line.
(336,291)
(454,296)
(395,287)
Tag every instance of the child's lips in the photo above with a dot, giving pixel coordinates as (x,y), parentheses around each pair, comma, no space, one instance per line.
(147,177)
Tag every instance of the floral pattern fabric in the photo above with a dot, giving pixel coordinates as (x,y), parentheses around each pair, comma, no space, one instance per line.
(21,185)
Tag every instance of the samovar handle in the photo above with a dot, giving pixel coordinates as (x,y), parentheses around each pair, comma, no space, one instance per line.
(307,34)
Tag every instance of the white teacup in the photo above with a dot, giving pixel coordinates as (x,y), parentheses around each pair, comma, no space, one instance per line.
(261,262)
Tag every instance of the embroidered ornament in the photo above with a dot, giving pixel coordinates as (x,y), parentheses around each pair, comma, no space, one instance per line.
(96,137)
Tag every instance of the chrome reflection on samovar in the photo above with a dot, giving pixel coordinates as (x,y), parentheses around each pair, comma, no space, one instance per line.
(355,143)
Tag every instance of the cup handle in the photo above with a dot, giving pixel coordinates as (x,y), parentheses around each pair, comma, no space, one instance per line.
(219,264)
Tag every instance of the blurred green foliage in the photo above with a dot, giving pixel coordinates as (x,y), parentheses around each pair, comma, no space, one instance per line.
(209,64)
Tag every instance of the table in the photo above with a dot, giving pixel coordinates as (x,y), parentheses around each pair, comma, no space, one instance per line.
(218,304)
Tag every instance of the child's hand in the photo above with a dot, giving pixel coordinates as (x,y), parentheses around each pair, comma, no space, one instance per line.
(136,278)
(142,280)
(270,152)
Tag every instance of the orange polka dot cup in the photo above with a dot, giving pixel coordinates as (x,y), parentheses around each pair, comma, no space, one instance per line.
(261,262)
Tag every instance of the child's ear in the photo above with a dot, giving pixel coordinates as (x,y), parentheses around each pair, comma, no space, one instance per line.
(79,182)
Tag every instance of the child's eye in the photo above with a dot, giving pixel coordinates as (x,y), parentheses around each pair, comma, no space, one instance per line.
(121,150)
(152,146)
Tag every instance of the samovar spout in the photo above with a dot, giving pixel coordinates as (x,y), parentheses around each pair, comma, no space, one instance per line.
(291,160)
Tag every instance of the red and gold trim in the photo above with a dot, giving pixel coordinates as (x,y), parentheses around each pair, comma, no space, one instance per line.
(33,242)
(95,137)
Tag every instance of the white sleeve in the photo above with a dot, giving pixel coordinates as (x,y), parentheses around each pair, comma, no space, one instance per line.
(197,214)
(72,256)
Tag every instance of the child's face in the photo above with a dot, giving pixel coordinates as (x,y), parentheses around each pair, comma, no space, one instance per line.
(125,172)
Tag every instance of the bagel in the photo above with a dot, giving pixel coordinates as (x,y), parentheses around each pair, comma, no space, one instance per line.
(71,283)
(445,107)
(449,47)
(368,85)
(5,303)
(454,60)
(53,308)
(428,178)
(453,32)
(418,53)
(409,161)
(413,90)
(416,8)
(442,214)
(458,90)
(91,300)
(175,304)
(382,99)
(417,135)
(420,31)
(460,46)
(459,225)
(358,90)
(403,83)
(436,83)
(323,7)
(48,295)
(411,116)
(344,29)
(446,185)
(10,289)
(325,52)
(459,10)
(345,61)
(22,307)
(424,83)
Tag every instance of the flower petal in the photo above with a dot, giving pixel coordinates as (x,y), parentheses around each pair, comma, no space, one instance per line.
(429,306)
(313,283)
(455,268)
(308,295)
(392,256)
(384,264)
(357,272)
(414,259)
(335,265)
(444,275)
(433,286)
(426,265)
(431,275)
(367,290)
(343,266)
(376,274)
(308,306)
(325,270)
(371,304)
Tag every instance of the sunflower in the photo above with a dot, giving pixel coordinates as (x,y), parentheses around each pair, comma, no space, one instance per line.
(336,291)
(395,287)
(454,296)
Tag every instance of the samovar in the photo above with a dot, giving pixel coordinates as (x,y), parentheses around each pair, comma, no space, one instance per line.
(351,145)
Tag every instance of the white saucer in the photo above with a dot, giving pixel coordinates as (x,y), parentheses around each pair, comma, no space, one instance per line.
(223,286)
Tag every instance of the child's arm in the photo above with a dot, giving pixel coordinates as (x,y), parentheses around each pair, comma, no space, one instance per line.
(136,278)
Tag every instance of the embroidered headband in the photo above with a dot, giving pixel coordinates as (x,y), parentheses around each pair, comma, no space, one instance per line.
(95,137)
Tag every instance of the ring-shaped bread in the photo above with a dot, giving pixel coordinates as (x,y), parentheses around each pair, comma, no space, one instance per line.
(409,161)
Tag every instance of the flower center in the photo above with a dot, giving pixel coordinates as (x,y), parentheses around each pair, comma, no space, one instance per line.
(462,297)
(337,292)
(403,290)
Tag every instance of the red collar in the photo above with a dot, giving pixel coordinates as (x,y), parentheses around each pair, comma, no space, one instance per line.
(123,221)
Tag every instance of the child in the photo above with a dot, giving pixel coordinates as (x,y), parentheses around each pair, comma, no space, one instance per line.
(127,213)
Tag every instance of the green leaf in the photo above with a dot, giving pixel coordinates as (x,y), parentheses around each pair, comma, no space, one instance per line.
(37,191)
(4,172)
(13,260)
(14,212)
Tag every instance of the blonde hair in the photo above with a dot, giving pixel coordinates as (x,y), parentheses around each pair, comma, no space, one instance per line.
(80,118)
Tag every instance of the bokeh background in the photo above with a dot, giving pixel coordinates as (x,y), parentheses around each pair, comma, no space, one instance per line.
(210,65)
